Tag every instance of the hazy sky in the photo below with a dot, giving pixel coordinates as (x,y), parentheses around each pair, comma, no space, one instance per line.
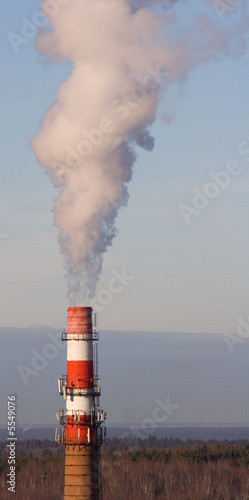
(150,379)
(189,277)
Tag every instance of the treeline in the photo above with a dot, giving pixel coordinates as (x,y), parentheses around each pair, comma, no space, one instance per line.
(235,456)
(37,477)
(198,471)
(173,475)
(34,447)
(165,443)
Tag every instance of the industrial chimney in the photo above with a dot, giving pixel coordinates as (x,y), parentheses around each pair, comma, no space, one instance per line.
(81,433)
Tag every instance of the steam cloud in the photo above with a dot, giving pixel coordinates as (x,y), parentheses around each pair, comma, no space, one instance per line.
(123,55)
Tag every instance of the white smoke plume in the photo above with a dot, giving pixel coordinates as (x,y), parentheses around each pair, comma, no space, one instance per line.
(123,54)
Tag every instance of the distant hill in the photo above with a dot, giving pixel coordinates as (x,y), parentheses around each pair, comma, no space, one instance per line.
(150,378)
(183,433)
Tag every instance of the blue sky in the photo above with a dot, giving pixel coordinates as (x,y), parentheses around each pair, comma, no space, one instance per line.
(186,277)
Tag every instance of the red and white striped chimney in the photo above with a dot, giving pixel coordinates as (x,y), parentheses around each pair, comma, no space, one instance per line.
(82,432)
(80,376)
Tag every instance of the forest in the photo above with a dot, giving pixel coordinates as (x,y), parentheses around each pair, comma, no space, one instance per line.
(136,469)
